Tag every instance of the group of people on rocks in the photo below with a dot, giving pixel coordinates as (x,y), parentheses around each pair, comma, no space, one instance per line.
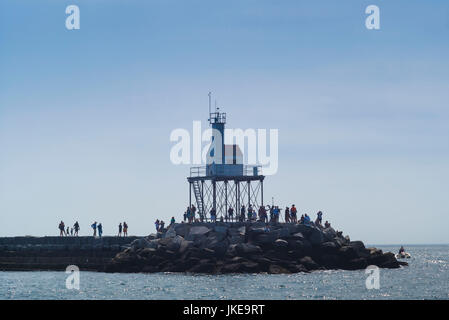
(263,214)
(160,224)
(123,227)
(189,214)
(95,226)
(63,231)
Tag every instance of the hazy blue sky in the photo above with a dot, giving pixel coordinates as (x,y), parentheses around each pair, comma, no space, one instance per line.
(363,115)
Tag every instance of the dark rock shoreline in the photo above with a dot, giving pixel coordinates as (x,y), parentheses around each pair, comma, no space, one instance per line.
(243,247)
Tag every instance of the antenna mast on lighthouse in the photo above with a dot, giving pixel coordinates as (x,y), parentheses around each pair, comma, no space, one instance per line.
(210,97)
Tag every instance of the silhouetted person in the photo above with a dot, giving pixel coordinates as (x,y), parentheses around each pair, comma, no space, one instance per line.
(242,213)
(231,214)
(61,228)
(120,229)
(76,227)
(287,215)
(271,213)
(213,215)
(263,214)
(192,212)
(319,218)
(94,226)
(293,214)
(100,229)
(306,219)
(276,213)
(125,229)
(250,212)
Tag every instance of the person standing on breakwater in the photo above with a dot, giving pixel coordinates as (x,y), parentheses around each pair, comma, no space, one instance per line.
(94,226)
(261,213)
(76,227)
(100,229)
(276,214)
(306,219)
(231,214)
(120,229)
(293,214)
(319,218)
(125,229)
(192,212)
(161,226)
(287,215)
(250,213)
(264,215)
(61,228)
(253,214)
(67,232)
(242,213)
(172,221)
(213,215)
(156,224)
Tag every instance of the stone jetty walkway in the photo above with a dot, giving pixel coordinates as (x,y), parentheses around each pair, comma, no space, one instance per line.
(56,253)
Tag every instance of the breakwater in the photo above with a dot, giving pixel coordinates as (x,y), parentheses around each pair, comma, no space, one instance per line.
(243,247)
(56,253)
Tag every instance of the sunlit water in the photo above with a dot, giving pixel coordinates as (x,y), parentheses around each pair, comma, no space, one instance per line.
(427,277)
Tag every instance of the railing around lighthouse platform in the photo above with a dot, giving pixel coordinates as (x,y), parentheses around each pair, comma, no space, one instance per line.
(248,170)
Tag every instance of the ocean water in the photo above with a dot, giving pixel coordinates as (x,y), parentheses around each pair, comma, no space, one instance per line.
(426,277)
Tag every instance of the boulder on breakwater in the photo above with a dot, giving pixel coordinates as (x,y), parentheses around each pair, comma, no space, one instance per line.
(244,247)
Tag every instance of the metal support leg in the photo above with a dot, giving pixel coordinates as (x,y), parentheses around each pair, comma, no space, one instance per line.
(237,199)
(226,200)
(214,196)
(249,193)
(202,214)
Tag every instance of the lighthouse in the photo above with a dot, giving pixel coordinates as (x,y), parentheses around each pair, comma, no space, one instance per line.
(225,182)
(222,159)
